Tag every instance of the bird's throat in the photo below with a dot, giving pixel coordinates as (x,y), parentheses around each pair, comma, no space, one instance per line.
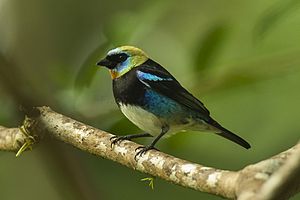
(113,74)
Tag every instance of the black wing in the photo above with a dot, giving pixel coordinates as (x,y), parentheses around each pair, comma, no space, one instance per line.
(154,76)
(159,79)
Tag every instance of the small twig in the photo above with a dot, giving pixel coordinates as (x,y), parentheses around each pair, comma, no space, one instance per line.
(151,181)
(29,141)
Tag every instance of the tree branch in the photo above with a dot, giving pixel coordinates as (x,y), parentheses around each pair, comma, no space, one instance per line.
(260,181)
(243,184)
(285,182)
(11,139)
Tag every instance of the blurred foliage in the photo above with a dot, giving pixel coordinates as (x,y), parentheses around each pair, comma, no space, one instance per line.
(240,57)
(88,70)
(274,14)
(207,48)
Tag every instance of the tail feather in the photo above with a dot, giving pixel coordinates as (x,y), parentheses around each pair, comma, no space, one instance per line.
(230,136)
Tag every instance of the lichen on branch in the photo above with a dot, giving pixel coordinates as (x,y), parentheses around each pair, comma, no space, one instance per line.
(245,184)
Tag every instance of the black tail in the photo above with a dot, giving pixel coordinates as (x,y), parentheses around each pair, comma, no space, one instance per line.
(229,135)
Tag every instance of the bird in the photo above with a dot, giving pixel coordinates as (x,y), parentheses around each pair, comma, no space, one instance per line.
(152,99)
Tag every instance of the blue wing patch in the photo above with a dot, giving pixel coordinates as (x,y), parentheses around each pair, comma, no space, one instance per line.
(143,76)
(161,81)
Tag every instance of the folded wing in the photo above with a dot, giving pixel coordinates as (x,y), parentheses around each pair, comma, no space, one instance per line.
(152,75)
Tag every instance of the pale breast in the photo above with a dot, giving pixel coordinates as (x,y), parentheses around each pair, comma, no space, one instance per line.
(143,119)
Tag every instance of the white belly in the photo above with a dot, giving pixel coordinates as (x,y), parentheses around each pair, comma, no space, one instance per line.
(151,124)
(143,119)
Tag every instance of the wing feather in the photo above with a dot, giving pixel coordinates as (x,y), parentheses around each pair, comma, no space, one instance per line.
(154,76)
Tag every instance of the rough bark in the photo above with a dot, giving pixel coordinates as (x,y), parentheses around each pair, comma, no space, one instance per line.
(273,178)
(11,139)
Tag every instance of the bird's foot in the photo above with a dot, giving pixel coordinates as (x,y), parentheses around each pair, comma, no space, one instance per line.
(142,150)
(118,139)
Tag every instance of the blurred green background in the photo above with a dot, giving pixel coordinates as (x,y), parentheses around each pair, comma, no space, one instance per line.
(241,58)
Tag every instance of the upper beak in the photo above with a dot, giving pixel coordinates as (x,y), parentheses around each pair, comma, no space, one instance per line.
(104,62)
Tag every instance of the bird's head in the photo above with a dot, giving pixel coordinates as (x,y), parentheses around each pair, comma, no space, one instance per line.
(122,59)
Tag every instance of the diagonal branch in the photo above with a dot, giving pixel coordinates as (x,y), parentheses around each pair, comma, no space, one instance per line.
(243,184)
(284,182)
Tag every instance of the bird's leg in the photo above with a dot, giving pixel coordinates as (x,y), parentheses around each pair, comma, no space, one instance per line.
(118,139)
(144,149)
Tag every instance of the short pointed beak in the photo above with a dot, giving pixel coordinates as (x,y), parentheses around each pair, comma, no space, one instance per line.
(104,62)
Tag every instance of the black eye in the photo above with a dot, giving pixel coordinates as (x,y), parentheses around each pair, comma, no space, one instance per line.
(122,57)
(118,57)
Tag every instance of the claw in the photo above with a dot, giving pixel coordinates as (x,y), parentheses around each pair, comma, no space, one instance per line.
(113,137)
(143,150)
(117,140)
